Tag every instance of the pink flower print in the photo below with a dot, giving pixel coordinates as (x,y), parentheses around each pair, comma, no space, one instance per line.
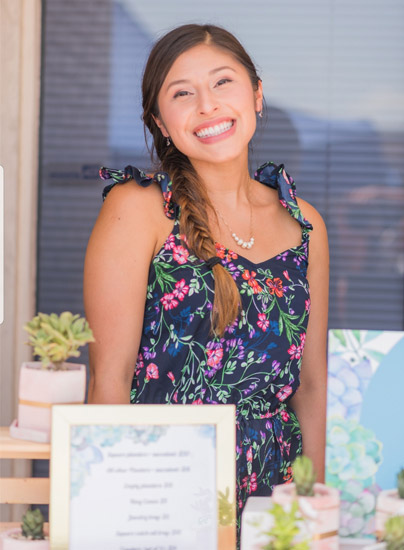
(139,364)
(171,377)
(180,254)
(249,454)
(286,275)
(263,322)
(214,356)
(152,371)
(197,401)
(240,503)
(169,301)
(170,242)
(184,238)
(283,393)
(307,304)
(250,483)
(295,352)
(285,416)
(175,397)
(181,290)
(302,340)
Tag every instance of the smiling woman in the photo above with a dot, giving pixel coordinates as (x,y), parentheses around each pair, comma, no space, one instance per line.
(183,309)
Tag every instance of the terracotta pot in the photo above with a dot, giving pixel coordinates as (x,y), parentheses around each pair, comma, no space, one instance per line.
(227,537)
(8,542)
(321,512)
(41,388)
(388,504)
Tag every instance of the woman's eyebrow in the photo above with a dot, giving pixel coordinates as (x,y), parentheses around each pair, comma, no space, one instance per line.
(213,71)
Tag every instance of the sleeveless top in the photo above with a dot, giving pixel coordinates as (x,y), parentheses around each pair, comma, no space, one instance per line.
(256,364)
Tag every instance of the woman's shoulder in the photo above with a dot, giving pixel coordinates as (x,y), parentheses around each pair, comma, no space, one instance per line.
(312,215)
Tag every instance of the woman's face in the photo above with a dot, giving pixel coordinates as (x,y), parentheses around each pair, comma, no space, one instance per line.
(208,106)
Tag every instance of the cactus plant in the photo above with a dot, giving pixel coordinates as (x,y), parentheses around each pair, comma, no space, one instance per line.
(226,513)
(55,338)
(400,483)
(394,533)
(285,529)
(304,476)
(32,525)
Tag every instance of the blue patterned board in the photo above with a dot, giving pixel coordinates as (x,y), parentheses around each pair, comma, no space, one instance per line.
(365,419)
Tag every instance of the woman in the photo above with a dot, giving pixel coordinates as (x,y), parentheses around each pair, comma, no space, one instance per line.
(202,295)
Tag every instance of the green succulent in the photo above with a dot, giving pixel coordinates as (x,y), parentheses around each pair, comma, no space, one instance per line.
(55,338)
(226,511)
(394,533)
(32,525)
(304,476)
(400,483)
(285,529)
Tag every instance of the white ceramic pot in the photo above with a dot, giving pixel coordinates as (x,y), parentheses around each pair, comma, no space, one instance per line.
(321,511)
(10,542)
(40,388)
(388,504)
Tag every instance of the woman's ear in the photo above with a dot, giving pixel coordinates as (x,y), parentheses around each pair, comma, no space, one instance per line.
(259,97)
(161,126)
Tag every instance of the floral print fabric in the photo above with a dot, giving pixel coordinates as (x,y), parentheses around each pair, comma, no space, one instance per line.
(255,365)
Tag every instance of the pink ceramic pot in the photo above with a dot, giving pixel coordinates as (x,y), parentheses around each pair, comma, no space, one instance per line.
(321,512)
(8,542)
(41,388)
(388,504)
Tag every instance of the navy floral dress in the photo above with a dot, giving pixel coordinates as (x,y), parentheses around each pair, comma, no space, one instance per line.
(256,364)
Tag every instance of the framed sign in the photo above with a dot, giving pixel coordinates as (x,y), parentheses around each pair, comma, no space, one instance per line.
(141,477)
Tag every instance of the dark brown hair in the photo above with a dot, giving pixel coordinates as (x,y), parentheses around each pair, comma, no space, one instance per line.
(188,191)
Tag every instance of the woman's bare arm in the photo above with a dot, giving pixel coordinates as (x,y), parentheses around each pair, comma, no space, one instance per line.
(309,402)
(121,247)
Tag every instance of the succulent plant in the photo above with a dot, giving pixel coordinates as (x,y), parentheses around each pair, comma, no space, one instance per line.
(304,476)
(32,525)
(394,533)
(285,529)
(55,338)
(400,483)
(226,513)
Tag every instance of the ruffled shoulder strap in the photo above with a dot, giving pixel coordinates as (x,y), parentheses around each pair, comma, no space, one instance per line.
(275,176)
(131,172)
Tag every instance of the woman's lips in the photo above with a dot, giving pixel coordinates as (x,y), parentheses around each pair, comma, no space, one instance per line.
(216,130)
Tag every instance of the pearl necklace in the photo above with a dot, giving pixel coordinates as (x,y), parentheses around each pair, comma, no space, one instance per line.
(239,241)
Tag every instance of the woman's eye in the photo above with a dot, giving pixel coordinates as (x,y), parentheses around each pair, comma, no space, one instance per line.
(223,81)
(181,93)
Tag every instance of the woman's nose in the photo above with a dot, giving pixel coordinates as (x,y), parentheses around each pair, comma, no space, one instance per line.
(207,102)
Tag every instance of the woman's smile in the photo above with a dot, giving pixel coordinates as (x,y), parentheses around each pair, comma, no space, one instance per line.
(215,130)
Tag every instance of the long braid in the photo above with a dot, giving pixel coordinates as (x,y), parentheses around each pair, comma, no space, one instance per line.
(190,194)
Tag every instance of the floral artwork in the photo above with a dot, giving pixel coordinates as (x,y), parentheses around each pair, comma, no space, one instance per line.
(362,456)
(88,443)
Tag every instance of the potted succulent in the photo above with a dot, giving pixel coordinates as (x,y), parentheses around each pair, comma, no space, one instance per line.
(392,536)
(227,523)
(318,503)
(30,536)
(390,503)
(286,529)
(52,380)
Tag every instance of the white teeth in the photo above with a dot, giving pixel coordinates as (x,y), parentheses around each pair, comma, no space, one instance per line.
(215,130)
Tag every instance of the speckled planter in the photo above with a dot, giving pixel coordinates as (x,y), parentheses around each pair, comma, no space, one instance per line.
(388,504)
(40,388)
(321,511)
(9,542)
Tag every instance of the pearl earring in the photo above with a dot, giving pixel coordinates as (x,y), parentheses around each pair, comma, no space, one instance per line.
(168,142)
(260,114)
